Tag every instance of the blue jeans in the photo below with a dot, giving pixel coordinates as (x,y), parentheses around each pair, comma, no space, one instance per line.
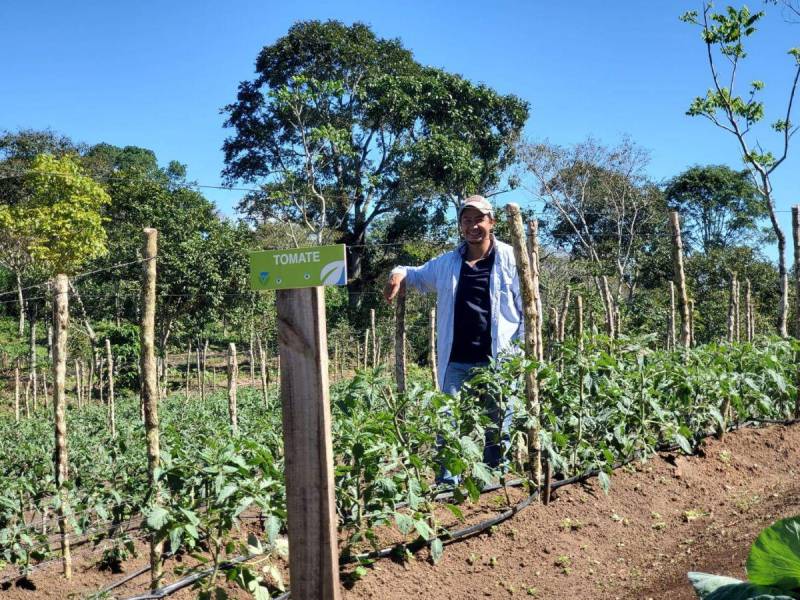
(496,442)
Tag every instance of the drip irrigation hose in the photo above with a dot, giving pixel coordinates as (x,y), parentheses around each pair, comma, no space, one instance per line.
(450,537)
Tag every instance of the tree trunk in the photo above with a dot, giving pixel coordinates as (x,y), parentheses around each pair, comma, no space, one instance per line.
(233,374)
(533,243)
(691,323)
(61,321)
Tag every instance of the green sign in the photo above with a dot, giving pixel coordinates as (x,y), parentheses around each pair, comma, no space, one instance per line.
(298,268)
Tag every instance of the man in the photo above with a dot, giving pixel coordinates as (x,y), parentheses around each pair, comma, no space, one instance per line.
(478,305)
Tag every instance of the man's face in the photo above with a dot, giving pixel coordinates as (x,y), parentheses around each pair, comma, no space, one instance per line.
(475,226)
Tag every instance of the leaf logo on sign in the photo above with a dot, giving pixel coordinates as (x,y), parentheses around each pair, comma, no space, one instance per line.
(263,276)
(333,273)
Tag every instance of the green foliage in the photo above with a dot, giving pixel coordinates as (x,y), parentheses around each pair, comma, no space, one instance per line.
(773,568)
(774,558)
(719,207)
(60,220)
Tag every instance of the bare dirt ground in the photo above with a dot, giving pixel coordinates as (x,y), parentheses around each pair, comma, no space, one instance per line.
(662,518)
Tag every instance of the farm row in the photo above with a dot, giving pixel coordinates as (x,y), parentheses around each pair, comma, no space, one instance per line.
(612,401)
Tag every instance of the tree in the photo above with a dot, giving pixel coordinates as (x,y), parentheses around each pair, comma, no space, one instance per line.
(601,206)
(724,35)
(341,127)
(720,207)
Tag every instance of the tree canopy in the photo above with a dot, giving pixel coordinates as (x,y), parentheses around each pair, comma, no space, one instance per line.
(341,127)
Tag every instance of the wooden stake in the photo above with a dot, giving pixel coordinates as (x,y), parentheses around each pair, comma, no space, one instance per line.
(149,384)
(302,338)
(112,410)
(203,377)
(188,370)
(366,348)
(16,390)
(78,383)
(233,374)
(374,337)
(432,348)
(400,342)
(738,312)
(529,314)
(671,320)
(32,362)
(264,380)
(691,323)
(796,239)
(748,304)
(61,321)
(680,276)
(732,310)
(533,245)
(562,319)
(579,321)
(199,371)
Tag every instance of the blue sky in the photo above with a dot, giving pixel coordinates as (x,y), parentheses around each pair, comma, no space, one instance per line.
(155,74)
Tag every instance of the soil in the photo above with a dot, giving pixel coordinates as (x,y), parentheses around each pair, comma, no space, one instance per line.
(661,519)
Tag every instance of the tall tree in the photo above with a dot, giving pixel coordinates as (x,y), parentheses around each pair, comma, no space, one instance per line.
(725,35)
(601,207)
(719,206)
(341,127)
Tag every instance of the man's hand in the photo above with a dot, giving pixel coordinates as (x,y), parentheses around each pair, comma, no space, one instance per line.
(396,283)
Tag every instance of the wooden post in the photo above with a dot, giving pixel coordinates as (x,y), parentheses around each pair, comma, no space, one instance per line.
(100,382)
(579,321)
(738,312)
(608,302)
(671,342)
(366,347)
(188,369)
(263,363)
(432,348)
(529,314)
(203,375)
(32,362)
(562,319)
(16,390)
(680,276)
(732,310)
(44,386)
(252,360)
(233,373)
(61,321)
(400,342)
(112,410)
(796,239)
(78,383)
(308,450)
(149,385)
(552,332)
(533,245)
(748,306)
(691,323)
(374,331)
(199,376)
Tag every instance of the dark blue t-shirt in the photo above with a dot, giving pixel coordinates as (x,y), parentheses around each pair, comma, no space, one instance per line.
(472,325)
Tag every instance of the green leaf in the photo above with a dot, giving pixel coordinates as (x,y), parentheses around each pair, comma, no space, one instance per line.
(774,557)
(404,522)
(457,512)
(423,529)
(226,492)
(437,549)
(718,587)
(683,443)
(157,518)
(604,480)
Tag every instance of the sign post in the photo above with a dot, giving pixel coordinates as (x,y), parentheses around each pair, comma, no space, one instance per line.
(308,449)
